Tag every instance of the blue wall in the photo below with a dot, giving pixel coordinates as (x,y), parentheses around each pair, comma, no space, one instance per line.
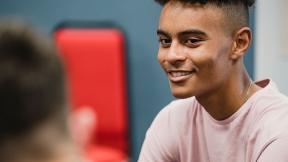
(148,87)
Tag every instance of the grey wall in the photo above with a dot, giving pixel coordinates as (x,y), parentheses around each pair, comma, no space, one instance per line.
(148,88)
(272,42)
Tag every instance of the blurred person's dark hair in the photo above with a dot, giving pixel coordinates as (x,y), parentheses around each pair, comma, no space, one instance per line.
(33,113)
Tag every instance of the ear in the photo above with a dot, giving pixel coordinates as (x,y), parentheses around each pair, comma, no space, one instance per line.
(242,41)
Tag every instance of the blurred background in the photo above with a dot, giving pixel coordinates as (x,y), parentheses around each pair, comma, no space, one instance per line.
(148,90)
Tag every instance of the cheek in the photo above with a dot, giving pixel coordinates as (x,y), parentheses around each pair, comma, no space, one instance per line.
(201,58)
(207,68)
(218,67)
(160,57)
(211,63)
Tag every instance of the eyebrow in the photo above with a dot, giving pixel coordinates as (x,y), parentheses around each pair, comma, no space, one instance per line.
(183,33)
(192,32)
(162,32)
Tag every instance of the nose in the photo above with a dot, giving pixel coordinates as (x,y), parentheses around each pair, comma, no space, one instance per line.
(175,54)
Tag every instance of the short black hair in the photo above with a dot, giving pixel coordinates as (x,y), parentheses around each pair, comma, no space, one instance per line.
(247,3)
(237,11)
(32,81)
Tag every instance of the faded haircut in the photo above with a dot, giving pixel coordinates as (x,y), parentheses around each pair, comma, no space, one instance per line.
(236,11)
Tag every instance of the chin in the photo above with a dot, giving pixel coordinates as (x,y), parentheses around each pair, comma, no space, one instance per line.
(181,92)
(181,95)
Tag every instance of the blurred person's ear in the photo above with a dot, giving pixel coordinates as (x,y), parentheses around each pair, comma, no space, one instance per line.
(83,124)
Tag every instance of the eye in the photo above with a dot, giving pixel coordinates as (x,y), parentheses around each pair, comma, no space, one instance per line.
(192,42)
(165,42)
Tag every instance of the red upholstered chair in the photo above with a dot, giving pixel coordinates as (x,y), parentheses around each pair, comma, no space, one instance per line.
(94,57)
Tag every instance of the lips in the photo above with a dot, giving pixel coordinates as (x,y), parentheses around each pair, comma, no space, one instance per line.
(179,75)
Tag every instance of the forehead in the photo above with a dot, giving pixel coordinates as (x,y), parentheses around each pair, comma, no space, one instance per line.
(176,17)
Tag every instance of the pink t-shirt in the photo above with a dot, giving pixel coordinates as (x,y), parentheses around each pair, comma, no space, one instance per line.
(184,132)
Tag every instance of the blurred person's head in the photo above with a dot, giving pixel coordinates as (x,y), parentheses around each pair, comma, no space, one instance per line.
(33,107)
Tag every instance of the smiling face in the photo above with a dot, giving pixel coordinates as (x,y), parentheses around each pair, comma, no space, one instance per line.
(195,48)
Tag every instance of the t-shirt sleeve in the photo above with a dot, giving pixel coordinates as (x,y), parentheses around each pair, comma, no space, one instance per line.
(160,143)
(275,151)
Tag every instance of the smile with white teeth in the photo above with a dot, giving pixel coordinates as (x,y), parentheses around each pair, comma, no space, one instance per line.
(179,76)
(180,73)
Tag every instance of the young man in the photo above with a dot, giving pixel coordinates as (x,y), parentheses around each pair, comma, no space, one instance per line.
(33,113)
(221,115)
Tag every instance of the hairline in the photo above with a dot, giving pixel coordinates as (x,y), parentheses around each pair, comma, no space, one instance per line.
(235,15)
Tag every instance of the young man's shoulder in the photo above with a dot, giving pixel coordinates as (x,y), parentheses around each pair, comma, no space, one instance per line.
(163,135)
(176,116)
(179,108)
(269,104)
(272,109)
(269,111)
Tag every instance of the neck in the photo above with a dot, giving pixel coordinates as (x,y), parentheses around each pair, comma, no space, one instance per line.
(229,96)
